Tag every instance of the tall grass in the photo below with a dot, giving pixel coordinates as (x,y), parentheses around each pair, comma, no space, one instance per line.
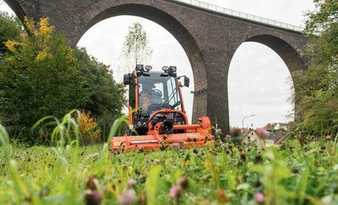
(66,130)
(64,136)
(119,126)
(6,148)
(151,186)
(217,174)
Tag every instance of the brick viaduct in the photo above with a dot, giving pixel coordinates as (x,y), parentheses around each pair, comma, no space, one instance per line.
(209,39)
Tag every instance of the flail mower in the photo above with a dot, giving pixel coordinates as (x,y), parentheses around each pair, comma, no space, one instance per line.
(157,118)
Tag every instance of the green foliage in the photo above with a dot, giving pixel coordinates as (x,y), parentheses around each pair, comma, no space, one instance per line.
(42,75)
(65,131)
(291,174)
(119,126)
(152,185)
(105,96)
(273,175)
(39,77)
(66,135)
(5,146)
(317,88)
(4,139)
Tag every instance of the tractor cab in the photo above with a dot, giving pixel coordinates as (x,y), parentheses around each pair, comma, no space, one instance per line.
(153,91)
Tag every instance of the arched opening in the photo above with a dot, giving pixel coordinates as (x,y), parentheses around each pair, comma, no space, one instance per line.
(286,52)
(260,83)
(105,39)
(107,9)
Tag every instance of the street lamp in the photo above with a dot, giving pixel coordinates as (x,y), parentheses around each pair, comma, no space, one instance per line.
(246,117)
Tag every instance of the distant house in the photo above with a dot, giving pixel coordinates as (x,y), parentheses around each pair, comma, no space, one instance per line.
(269,127)
(268,135)
(281,126)
(279,135)
(259,136)
(277,126)
(278,131)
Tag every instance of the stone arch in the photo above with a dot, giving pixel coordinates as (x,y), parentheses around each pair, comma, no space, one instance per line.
(173,26)
(289,54)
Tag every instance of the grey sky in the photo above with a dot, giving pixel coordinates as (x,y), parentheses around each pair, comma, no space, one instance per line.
(259,81)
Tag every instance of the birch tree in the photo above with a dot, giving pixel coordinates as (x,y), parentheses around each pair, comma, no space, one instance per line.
(136,50)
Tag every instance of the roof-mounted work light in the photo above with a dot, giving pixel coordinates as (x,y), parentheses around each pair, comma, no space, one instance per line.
(148,68)
(143,70)
(139,69)
(173,71)
(165,69)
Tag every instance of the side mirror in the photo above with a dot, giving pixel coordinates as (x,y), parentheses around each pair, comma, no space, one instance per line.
(127,78)
(186,81)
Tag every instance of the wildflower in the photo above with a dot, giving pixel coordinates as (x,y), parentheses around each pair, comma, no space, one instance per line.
(175,192)
(10,45)
(89,130)
(128,197)
(29,25)
(221,197)
(131,183)
(142,200)
(183,182)
(93,197)
(45,28)
(259,197)
(92,183)
(42,55)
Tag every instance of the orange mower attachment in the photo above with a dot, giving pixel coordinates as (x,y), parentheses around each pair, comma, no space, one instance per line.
(159,120)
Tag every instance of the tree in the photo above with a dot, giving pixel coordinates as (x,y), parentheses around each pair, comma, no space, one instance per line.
(317,88)
(136,49)
(105,95)
(42,75)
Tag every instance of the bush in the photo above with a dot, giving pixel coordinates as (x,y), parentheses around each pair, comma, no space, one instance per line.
(41,75)
(89,130)
(105,95)
(317,87)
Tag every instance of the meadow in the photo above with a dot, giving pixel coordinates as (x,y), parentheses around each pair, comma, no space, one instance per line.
(220,173)
(70,172)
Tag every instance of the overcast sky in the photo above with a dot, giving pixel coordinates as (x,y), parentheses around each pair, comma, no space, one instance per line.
(259,81)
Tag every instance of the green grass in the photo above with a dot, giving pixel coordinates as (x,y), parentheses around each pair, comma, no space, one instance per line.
(216,174)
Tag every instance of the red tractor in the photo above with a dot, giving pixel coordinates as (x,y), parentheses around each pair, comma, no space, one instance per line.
(157,118)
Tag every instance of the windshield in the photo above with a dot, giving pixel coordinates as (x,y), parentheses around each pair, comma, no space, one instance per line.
(158,92)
